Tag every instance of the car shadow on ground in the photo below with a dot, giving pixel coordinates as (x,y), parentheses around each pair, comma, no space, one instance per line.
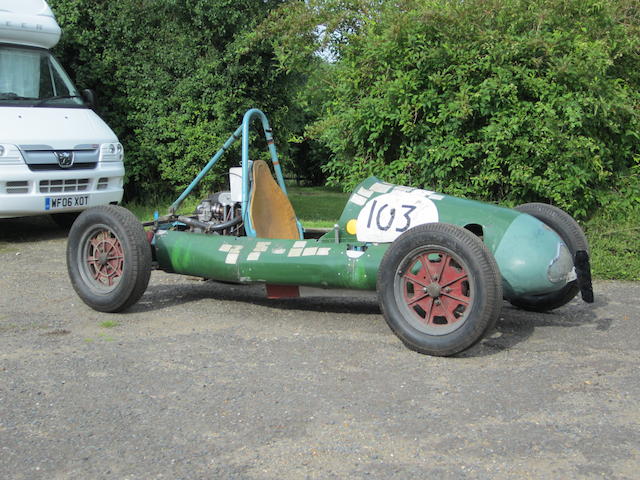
(516,325)
(30,229)
(513,327)
(162,296)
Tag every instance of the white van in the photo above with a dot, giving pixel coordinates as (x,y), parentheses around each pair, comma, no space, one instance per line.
(56,155)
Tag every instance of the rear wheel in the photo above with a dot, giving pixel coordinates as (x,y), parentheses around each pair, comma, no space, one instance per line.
(108,258)
(439,289)
(573,236)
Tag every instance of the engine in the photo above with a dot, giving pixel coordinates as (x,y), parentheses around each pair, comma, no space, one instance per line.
(217,214)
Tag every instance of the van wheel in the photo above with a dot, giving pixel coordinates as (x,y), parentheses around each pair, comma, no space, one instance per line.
(439,289)
(108,258)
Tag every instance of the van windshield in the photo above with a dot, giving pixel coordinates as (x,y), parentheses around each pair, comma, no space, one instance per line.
(31,77)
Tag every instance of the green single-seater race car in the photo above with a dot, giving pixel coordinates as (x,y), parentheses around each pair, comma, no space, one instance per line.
(441,265)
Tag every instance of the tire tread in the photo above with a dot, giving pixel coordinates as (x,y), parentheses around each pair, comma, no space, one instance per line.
(485,264)
(138,261)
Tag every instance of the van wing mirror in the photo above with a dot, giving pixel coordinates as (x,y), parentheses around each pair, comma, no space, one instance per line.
(89,97)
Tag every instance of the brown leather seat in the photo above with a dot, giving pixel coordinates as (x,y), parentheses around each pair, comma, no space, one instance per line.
(272,215)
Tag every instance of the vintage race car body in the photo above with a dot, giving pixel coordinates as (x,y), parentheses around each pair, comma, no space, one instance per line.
(441,265)
(531,257)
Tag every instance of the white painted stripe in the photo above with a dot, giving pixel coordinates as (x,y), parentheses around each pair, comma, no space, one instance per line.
(262,246)
(232,258)
(358,199)
(425,193)
(380,187)
(364,192)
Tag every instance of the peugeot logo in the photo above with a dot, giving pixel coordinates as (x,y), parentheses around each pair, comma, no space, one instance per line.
(65,159)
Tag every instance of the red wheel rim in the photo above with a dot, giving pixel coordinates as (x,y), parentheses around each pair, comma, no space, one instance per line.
(104,258)
(436,290)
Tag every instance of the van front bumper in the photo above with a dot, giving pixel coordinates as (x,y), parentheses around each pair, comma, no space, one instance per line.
(25,193)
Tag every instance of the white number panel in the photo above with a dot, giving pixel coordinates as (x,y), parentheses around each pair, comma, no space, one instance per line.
(386,217)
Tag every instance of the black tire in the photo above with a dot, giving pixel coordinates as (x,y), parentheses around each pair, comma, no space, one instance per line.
(573,236)
(65,220)
(108,258)
(456,252)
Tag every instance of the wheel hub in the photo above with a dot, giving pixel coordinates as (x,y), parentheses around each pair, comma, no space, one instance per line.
(436,290)
(433,290)
(103,257)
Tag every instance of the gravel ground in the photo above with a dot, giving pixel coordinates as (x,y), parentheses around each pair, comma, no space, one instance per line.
(203,380)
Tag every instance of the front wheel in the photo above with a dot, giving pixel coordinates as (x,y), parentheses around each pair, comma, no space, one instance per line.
(108,258)
(439,289)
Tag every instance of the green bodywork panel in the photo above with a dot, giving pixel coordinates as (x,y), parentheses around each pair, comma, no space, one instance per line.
(523,246)
(493,219)
(375,214)
(283,262)
(526,249)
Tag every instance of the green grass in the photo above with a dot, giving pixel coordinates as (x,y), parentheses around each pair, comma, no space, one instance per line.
(614,238)
(109,324)
(316,207)
(144,211)
(7,248)
(614,234)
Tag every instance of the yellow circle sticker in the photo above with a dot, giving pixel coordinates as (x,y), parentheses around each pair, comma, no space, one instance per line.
(351,226)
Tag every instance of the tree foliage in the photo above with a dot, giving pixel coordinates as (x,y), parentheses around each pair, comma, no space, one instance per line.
(502,99)
(509,100)
(174,77)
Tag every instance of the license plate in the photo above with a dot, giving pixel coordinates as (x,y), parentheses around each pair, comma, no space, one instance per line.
(69,201)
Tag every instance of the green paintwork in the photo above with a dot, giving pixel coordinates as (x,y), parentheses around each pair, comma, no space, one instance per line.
(523,247)
(526,249)
(284,262)
(458,211)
